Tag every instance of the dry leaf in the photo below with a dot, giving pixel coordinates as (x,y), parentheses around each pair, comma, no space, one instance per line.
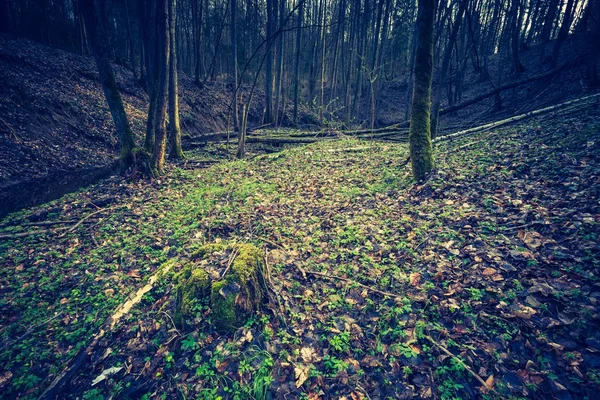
(415,278)
(301,373)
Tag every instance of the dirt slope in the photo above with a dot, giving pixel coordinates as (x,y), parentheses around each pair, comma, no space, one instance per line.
(53,116)
(568,84)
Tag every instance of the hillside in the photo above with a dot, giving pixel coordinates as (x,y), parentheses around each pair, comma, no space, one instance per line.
(55,125)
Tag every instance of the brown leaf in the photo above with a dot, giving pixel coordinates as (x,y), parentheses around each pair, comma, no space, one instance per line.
(301,374)
(5,377)
(415,278)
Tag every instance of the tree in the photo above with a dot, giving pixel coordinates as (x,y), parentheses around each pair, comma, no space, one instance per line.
(234,66)
(515,35)
(269,66)
(562,33)
(160,119)
(297,61)
(174,126)
(419,137)
(93,14)
(445,64)
(594,42)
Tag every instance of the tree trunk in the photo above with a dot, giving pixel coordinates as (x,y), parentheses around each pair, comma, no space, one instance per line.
(234,66)
(297,62)
(515,35)
(150,42)
(279,64)
(563,33)
(160,119)
(96,27)
(421,152)
(269,66)
(174,126)
(592,62)
(444,69)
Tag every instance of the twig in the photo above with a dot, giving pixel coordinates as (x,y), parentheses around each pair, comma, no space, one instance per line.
(82,220)
(469,370)
(47,223)
(30,233)
(31,329)
(514,228)
(334,277)
(272,243)
(232,257)
(173,323)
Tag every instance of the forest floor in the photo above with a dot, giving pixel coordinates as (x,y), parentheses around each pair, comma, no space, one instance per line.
(482,282)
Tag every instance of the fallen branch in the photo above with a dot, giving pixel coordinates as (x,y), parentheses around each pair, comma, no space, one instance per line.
(75,363)
(48,223)
(82,220)
(467,368)
(339,278)
(511,85)
(483,128)
(31,233)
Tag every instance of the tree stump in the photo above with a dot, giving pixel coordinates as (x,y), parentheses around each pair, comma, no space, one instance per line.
(228,278)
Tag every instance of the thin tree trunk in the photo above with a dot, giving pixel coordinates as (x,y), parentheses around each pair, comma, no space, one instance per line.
(98,33)
(234,66)
(563,32)
(419,137)
(297,62)
(515,34)
(174,126)
(444,69)
(160,121)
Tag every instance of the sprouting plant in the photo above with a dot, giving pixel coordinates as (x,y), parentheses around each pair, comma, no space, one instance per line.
(340,342)
(189,343)
(476,294)
(334,365)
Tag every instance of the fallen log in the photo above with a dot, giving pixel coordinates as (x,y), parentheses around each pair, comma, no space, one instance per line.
(483,128)
(511,85)
(274,140)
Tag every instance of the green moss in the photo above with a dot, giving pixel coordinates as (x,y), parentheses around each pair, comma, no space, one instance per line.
(231,308)
(232,299)
(192,289)
(223,308)
(207,249)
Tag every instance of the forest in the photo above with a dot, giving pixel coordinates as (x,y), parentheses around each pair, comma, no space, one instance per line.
(300,199)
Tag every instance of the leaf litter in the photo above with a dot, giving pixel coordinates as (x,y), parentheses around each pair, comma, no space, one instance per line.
(492,263)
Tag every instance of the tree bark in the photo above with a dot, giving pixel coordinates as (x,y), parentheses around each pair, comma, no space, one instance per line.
(444,69)
(98,34)
(421,152)
(297,61)
(160,119)
(234,66)
(174,125)
(562,33)
(269,66)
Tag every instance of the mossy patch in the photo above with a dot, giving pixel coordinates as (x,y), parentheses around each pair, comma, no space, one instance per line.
(192,289)
(232,298)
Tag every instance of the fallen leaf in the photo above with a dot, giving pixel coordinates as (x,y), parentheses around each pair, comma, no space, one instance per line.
(301,373)
(105,374)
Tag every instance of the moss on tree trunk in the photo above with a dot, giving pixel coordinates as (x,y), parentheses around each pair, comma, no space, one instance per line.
(419,137)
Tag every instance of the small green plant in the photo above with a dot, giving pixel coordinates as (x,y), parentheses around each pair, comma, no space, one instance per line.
(189,343)
(334,365)
(476,294)
(340,342)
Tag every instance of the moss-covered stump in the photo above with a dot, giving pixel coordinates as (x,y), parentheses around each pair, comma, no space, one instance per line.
(229,278)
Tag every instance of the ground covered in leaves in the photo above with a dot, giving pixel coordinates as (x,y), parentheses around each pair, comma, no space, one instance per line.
(480,283)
